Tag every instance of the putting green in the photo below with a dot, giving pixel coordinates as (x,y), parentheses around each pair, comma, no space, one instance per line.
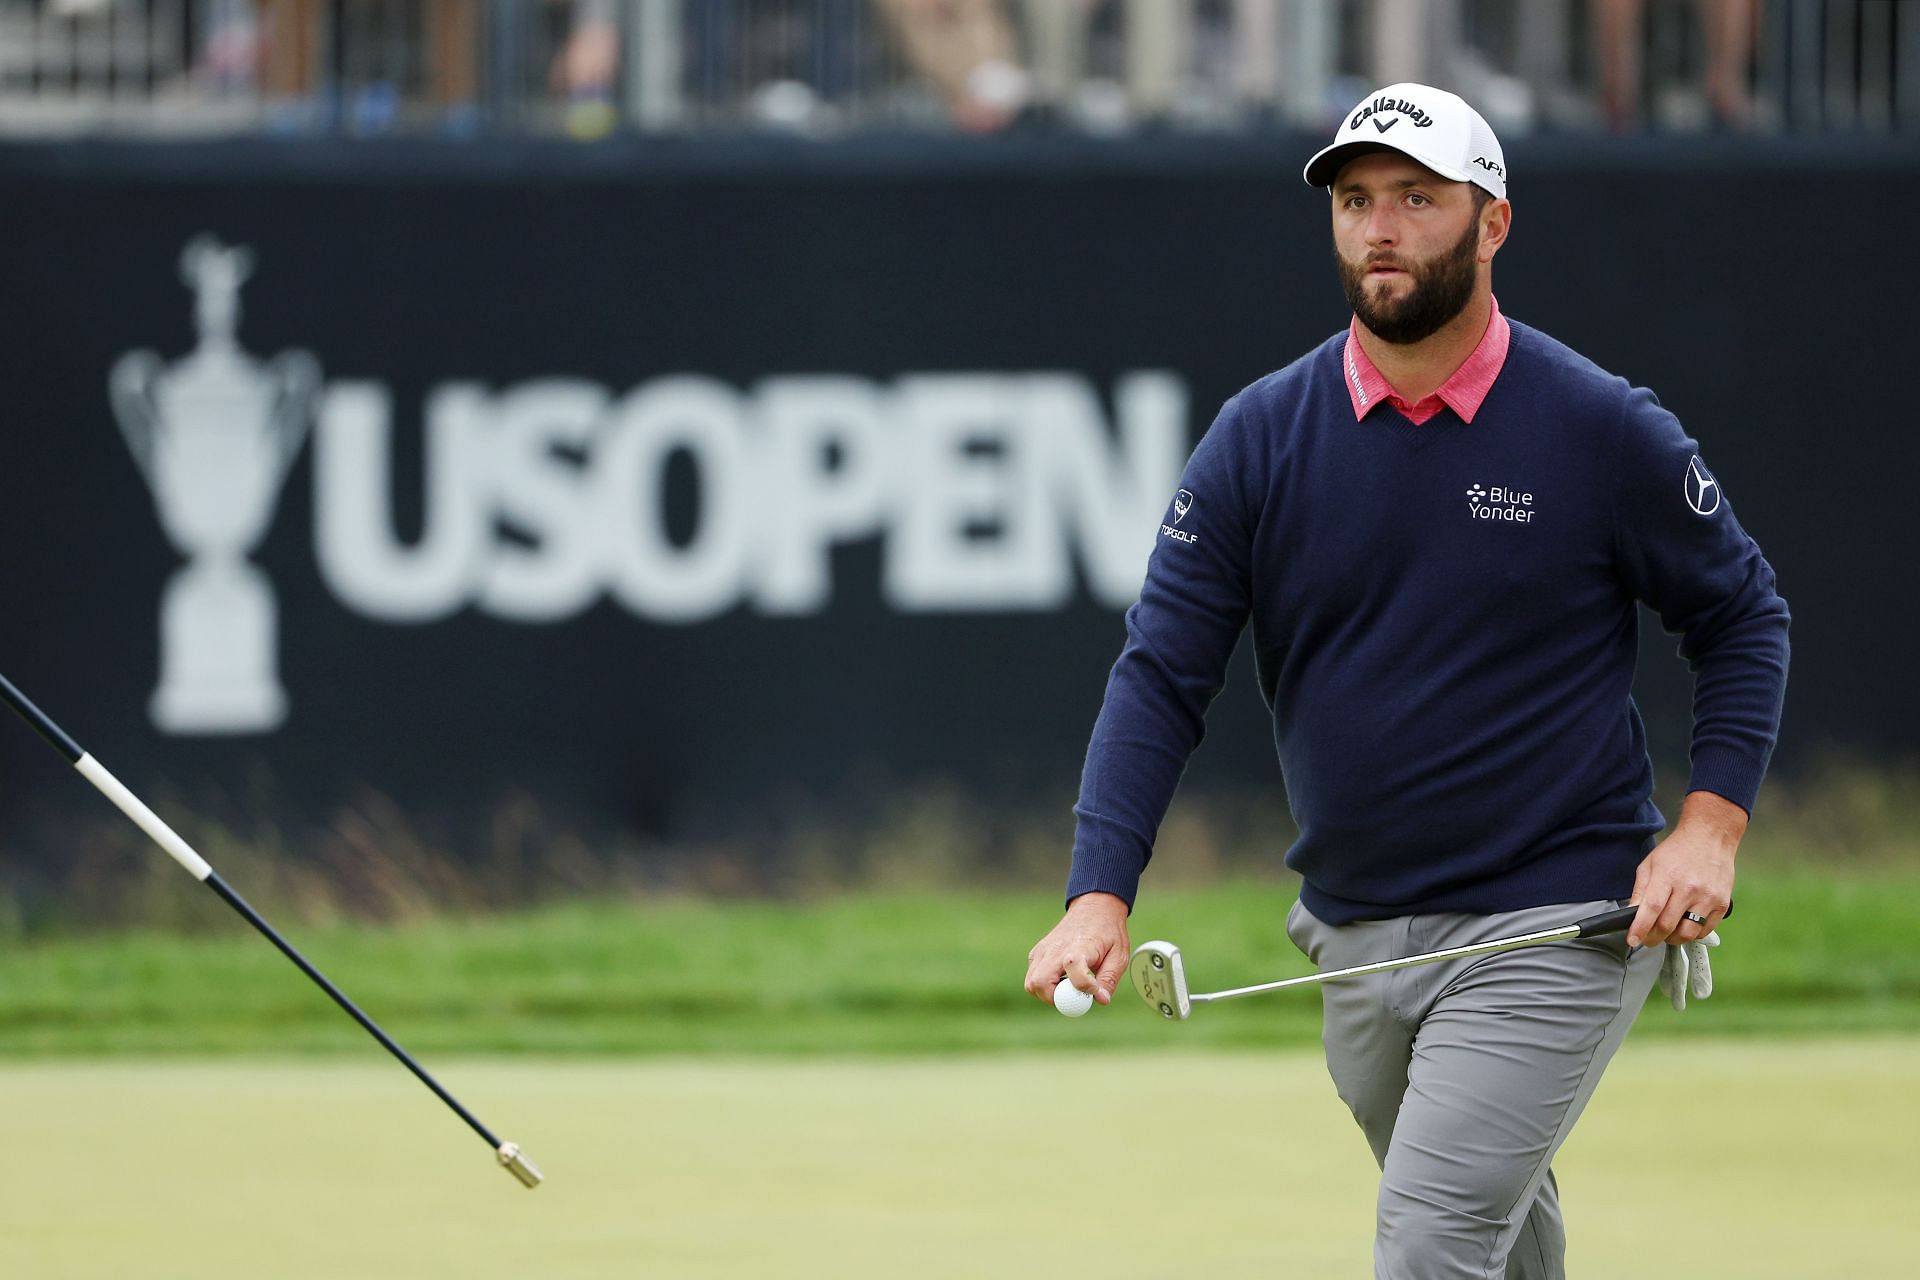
(1747,1158)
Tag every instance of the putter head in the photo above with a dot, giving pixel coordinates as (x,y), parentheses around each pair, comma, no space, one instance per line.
(1161,979)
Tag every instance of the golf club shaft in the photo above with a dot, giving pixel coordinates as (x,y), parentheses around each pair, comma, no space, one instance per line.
(169,840)
(254,918)
(1607,922)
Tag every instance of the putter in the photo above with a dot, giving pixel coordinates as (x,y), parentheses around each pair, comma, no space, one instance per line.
(511,1158)
(1161,978)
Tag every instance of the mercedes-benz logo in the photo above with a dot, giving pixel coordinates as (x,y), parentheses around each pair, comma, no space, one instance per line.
(1703,491)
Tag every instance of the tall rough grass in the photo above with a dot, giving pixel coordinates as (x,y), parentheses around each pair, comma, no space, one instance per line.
(373,861)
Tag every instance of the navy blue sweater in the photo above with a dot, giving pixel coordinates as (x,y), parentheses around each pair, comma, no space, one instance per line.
(1444,627)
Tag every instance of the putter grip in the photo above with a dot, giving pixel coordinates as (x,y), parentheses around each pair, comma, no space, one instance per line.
(1607,922)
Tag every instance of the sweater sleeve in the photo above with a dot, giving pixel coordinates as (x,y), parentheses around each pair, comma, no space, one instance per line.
(1180,635)
(1682,552)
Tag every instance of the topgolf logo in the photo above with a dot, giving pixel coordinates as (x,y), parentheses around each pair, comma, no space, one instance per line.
(1182,503)
(988,492)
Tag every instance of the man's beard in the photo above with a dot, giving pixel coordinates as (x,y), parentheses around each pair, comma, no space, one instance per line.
(1442,287)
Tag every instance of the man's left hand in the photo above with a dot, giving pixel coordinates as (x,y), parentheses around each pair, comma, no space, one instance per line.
(1691,871)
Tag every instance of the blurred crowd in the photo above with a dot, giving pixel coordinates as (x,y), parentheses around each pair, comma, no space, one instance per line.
(994,60)
(981,66)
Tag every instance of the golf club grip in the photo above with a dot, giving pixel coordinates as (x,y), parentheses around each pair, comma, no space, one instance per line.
(1606,922)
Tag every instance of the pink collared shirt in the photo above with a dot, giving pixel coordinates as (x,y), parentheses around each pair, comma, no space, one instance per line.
(1367,387)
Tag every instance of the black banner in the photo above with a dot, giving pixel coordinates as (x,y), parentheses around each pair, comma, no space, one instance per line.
(653,483)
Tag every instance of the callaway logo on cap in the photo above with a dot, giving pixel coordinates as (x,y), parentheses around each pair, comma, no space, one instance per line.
(1436,128)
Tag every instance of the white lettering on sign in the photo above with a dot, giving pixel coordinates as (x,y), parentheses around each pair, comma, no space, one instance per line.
(985,490)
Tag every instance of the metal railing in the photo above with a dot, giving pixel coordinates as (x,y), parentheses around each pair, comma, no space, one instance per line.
(594,67)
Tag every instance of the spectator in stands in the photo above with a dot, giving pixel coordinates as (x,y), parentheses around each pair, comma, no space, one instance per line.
(1730,29)
(966,47)
(1158,46)
(1258,69)
(230,46)
(292,40)
(584,70)
(367,58)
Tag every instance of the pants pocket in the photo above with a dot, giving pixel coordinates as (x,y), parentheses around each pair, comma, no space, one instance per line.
(1301,927)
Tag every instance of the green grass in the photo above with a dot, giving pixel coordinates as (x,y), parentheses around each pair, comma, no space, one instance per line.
(1716,1160)
(1807,952)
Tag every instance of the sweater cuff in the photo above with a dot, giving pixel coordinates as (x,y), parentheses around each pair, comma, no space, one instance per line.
(1107,858)
(1727,773)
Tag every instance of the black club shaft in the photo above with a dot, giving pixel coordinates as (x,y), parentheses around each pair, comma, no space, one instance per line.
(509,1154)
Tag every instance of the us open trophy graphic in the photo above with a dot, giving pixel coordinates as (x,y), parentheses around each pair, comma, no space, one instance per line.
(214,434)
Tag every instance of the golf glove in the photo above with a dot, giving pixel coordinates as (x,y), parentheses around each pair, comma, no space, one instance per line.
(1687,970)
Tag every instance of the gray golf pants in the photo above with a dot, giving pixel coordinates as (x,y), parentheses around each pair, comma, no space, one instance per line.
(1467,1075)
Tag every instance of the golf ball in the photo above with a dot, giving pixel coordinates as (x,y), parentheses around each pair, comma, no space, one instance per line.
(1070,999)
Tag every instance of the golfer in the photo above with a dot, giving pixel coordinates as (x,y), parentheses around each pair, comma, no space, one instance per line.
(1438,524)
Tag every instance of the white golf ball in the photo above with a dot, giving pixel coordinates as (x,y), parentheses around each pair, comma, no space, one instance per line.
(1070,999)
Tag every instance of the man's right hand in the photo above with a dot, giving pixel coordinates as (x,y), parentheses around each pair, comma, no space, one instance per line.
(1089,946)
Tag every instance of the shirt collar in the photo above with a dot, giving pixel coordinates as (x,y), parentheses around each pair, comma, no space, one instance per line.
(1463,392)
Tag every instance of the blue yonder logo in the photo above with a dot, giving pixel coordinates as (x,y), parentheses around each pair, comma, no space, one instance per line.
(1501,503)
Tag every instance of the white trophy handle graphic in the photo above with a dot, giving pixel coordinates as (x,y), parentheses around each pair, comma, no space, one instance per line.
(296,378)
(130,388)
(214,435)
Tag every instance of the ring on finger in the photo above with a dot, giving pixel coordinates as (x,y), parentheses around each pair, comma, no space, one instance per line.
(1694,916)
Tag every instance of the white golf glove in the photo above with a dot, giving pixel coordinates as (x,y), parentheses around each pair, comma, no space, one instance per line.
(1686,970)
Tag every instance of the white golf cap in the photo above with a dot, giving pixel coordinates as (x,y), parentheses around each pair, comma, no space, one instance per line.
(1436,128)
